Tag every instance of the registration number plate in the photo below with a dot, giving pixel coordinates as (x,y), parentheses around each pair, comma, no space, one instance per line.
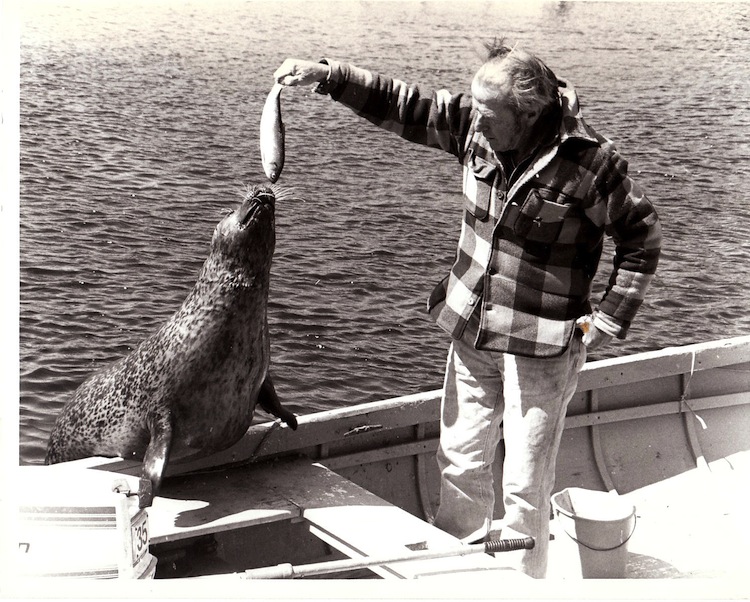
(139,536)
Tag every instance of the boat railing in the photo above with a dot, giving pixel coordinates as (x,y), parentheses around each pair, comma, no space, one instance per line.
(671,380)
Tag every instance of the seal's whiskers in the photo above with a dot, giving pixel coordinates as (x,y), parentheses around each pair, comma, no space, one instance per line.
(285,194)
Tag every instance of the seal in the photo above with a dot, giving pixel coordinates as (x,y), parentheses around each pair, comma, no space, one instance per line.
(192,387)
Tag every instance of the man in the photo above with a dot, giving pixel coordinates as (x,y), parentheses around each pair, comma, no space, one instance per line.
(541,189)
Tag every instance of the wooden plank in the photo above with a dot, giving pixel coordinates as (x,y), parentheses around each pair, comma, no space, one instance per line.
(664,362)
(360,524)
(272,438)
(402,450)
(215,502)
(189,506)
(659,409)
(426,446)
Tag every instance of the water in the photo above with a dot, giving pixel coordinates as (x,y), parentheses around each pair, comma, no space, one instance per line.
(139,130)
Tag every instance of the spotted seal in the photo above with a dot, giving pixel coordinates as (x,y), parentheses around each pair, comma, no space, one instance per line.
(192,387)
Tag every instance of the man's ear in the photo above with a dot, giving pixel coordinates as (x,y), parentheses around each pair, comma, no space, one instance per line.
(528,118)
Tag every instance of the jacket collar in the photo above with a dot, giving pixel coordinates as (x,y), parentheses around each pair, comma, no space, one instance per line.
(572,127)
(572,124)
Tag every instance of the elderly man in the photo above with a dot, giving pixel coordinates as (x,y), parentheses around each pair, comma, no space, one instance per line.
(541,189)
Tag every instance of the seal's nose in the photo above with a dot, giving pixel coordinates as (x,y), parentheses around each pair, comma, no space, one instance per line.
(266,196)
(260,200)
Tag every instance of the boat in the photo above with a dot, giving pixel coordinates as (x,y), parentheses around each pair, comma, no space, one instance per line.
(352,492)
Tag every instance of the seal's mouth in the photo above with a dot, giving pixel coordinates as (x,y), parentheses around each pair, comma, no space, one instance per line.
(261,200)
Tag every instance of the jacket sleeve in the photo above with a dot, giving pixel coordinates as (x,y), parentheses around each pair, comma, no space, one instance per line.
(438,120)
(634,226)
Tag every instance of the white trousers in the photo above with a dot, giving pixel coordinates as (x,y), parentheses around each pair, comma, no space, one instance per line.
(528,397)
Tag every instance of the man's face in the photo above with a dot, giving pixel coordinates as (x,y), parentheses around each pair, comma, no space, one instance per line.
(496,119)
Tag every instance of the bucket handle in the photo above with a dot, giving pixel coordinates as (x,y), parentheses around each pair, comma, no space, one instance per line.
(619,545)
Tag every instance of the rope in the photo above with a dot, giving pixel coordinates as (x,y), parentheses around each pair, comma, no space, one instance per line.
(686,390)
(256,451)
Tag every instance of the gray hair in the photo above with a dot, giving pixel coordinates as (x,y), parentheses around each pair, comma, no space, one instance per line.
(533,85)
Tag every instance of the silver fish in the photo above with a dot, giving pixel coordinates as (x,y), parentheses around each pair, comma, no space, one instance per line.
(272,135)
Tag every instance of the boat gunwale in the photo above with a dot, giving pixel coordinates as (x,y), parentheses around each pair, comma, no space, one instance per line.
(271,439)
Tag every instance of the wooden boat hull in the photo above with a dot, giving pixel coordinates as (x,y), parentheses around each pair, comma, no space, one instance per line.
(670,430)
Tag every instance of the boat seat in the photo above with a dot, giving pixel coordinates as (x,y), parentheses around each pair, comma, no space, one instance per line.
(360,524)
(203,503)
(346,516)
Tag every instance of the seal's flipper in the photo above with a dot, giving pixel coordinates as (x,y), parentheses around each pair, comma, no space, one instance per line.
(269,401)
(145,493)
(155,459)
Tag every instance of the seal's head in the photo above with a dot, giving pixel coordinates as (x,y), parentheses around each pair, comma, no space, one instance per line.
(246,237)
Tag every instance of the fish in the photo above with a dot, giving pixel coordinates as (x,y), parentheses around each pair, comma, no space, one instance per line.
(272,135)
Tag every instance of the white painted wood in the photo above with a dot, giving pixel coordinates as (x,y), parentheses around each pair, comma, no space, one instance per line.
(360,524)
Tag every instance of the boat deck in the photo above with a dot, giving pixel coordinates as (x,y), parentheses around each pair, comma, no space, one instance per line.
(347,517)
(692,525)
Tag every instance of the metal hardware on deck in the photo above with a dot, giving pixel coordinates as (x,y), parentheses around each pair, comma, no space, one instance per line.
(365,428)
(122,486)
(287,571)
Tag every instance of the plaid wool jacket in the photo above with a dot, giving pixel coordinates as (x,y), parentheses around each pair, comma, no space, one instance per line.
(530,241)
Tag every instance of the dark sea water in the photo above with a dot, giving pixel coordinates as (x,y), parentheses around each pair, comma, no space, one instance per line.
(139,130)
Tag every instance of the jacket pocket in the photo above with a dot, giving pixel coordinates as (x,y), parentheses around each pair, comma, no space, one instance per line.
(479,176)
(541,216)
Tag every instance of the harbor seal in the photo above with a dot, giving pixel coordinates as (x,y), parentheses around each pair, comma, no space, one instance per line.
(191,388)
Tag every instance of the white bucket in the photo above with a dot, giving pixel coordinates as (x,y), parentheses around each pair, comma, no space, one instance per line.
(599,525)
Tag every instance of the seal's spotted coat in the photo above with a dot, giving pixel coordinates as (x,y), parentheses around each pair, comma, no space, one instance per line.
(192,387)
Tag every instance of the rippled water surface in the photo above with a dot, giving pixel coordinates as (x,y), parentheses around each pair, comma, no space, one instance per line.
(139,130)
